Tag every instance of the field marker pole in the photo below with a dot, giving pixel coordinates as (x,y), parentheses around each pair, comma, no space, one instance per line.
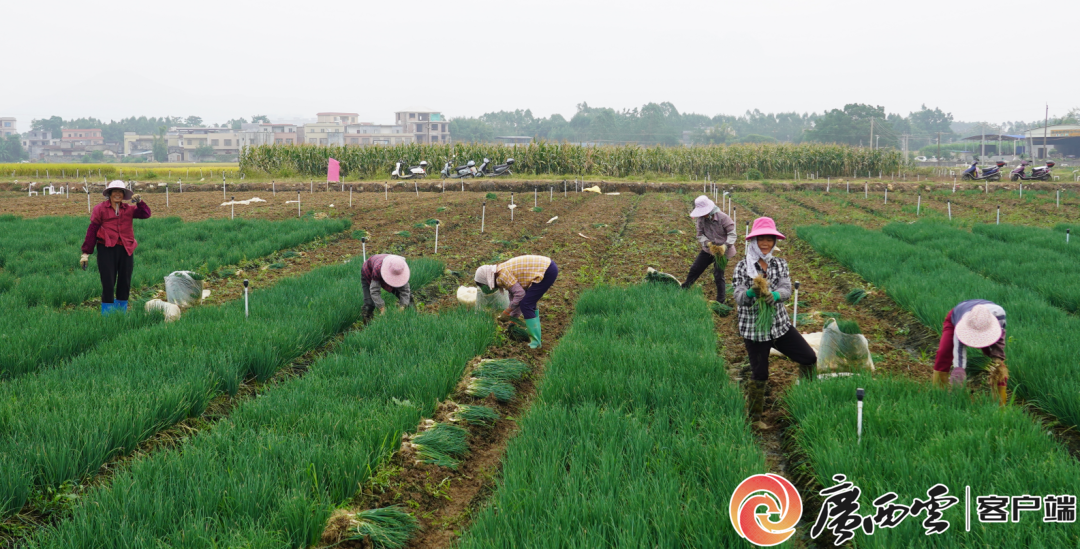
(564,188)
(886,195)
(551,194)
(386,191)
(223,197)
(416,188)
(232,212)
(950,210)
(999,215)
(436,236)
(1059,198)
(273,187)
(88,210)
(311,186)
(483,216)
(245,298)
(166,195)
(1021,190)
(859,396)
(986,187)
(462,184)
(363,247)
(866,190)
(828,184)
(918,206)
(954,185)
(298,204)
(1067,235)
(181,182)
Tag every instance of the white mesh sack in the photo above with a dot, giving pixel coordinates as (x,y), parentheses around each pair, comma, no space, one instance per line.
(840,352)
(183,288)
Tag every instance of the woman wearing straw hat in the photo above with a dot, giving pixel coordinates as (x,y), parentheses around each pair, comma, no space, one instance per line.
(384,272)
(112,233)
(762,285)
(716,235)
(979,324)
(527,278)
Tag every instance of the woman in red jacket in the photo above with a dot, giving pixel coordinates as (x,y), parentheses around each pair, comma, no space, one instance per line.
(111,230)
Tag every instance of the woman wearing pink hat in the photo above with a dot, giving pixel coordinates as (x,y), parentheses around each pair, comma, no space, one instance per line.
(715,234)
(762,277)
(384,272)
(112,233)
(979,324)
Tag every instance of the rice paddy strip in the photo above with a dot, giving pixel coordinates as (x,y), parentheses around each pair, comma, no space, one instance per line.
(60,425)
(270,474)
(40,257)
(915,437)
(1042,362)
(637,437)
(1050,273)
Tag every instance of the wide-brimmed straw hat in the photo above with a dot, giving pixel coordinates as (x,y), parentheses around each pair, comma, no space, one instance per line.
(395,271)
(702,206)
(979,328)
(113,185)
(764,226)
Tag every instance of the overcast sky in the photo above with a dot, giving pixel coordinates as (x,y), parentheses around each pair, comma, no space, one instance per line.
(224,59)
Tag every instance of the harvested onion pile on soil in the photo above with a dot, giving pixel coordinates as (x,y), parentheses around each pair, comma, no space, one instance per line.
(493,377)
(475,415)
(383,528)
(441,445)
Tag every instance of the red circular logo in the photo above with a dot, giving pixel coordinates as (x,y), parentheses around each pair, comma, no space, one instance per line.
(779,498)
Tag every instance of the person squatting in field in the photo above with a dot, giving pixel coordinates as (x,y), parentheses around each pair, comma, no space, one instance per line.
(979,324)
(716,235)
(384,272)
(762,285)
(111,231)
(527,278)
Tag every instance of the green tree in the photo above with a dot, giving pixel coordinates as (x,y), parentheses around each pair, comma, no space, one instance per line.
(849,126)
(93,156)
(193,121)
(203,151)
(470,130)
(161,146)
(259,118)
(930,122)
(11,149)
(236,123)
(53,125)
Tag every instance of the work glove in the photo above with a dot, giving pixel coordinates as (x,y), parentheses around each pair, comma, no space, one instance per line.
(957,376)
(83,260)
(504,316)
(135,199)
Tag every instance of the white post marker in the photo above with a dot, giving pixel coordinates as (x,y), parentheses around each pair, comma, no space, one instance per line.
(1067,235)
(87,189)
(386,191)
(918,206)
(363,247)
(245,298)
(1021,190)
(436,236)
(950,210)
(297,204)
(795,297)
(166,195)
(1059,198)
(181,182)
(311,186)
(859,394)
(886,195)
(223,197)
(999,215)
(483,214)
(232,212)
(416,188)
(866,190)
(273,187)
(551,194)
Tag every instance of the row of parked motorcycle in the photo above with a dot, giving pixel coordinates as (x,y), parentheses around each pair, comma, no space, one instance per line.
(993,173)
(469,169)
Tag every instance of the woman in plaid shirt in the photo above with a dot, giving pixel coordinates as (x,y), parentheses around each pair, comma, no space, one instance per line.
(526,278)
(762,277)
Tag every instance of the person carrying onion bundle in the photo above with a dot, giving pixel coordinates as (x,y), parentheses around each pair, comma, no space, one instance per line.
(527,278)
(384,272)
(762,285)
(979,324)
(111,232)
(716,235)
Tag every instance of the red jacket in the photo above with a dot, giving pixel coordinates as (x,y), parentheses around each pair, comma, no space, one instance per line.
(111,228)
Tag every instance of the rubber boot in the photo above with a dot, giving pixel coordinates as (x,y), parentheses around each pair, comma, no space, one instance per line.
(940,379)
(107,308)
(533,327)
(120,306)
(757,404)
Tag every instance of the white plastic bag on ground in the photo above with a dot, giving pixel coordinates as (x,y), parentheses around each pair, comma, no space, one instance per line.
(171,311)
(473,297)
(842,352)
(182,289)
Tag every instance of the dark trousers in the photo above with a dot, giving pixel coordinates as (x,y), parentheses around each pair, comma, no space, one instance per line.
(536,291)
(702,262)
(115,266)
(791,344)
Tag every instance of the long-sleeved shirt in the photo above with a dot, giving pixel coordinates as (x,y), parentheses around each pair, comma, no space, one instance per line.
(371,274)
(716,228)
(516,274)
(111,226)
(779,281)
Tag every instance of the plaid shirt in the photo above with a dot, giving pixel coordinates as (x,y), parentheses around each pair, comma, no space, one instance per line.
(780,282)
(523,270)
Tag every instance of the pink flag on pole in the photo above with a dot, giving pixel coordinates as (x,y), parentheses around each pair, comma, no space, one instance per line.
(333,171)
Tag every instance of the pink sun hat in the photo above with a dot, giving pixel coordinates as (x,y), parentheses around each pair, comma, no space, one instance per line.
(979,328)
(764,226)
(117,186)
(395,271)
(702,206)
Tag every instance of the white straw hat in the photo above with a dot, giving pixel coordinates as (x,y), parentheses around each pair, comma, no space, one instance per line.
(979,328)
(702,206)
(113,185)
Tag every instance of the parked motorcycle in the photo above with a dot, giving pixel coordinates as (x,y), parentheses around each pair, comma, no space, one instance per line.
(404,171)
(501,169)
(1042,173)
(991,174)
(466,170)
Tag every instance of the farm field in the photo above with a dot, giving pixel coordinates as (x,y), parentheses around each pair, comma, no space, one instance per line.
(568,435)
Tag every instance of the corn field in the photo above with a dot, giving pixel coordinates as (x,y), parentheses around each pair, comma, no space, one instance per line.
(563,159)
(96,172)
